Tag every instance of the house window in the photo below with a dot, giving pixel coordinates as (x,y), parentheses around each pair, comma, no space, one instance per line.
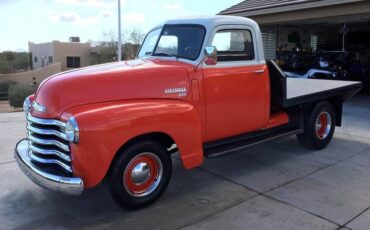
(35,59)
(234,45)
(50,59)
(73,62)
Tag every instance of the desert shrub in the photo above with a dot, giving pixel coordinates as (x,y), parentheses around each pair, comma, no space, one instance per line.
(4,89)
(19,92)
(4,86)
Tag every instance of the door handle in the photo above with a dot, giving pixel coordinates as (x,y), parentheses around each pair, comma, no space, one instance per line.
(259,71)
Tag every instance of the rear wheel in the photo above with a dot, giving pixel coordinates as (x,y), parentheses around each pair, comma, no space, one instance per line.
(319,127)
(140,174)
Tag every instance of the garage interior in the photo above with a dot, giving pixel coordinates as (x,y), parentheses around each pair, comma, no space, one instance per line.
(299,35)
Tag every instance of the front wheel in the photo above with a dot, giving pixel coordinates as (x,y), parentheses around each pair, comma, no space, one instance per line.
(140,174)
(319,127)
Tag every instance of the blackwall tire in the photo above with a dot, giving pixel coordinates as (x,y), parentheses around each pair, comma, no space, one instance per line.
(140,174)
(319,127)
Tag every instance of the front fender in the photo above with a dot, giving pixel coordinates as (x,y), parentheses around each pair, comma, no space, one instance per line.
(106,127)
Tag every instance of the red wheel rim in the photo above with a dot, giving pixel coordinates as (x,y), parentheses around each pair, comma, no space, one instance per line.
(323,125)
(142,174)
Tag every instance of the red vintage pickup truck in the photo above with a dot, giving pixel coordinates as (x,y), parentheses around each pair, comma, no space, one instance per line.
(200,87)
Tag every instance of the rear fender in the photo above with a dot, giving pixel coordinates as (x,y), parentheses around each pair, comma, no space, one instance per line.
(336,102)
(106,127)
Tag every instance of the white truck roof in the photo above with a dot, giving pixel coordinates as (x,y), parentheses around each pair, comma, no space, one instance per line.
(210,22)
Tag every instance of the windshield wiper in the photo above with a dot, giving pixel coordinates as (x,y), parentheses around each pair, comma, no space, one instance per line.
(165,54)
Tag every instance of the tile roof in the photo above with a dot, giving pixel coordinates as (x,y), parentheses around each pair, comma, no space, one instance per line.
(250,5)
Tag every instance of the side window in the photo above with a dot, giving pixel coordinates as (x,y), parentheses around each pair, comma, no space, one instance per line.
(234,45)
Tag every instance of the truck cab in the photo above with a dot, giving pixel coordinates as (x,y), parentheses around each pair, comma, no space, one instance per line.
(200,86)
(235,88)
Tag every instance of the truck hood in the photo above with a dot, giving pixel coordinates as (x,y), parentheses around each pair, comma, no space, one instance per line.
(136,79)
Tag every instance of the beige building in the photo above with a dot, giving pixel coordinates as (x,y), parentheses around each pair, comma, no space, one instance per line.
(69,54)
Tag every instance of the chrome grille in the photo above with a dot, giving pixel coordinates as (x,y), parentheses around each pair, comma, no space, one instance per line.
(49,147)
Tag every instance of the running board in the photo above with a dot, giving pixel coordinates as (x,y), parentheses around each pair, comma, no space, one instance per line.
(224,147)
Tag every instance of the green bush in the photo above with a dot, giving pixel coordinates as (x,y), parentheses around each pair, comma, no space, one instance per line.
(4,86)
(19,92)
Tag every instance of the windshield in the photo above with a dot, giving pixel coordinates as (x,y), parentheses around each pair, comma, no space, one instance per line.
(149,43)
(180,41)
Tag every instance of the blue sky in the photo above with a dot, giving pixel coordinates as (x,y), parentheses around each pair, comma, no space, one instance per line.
(46,20)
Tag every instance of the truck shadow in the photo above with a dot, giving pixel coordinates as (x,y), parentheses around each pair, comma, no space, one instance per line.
(268,166)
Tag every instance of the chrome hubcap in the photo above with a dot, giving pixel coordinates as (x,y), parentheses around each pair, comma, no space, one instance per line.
(140,173)
(323,125)
(143,174)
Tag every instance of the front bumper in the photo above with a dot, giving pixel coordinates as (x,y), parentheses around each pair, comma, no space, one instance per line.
(66,185)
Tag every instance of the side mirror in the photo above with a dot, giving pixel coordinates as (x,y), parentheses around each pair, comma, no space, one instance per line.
(210,54)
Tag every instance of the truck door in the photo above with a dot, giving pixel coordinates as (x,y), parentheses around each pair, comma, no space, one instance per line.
(237,87)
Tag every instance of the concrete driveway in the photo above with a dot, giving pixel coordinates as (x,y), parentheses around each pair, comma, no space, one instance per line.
(279,185)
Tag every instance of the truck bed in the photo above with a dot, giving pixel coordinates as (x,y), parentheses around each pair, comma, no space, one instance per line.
(289,92)
(300,91)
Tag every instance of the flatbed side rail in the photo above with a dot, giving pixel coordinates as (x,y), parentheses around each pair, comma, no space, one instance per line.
(345,92)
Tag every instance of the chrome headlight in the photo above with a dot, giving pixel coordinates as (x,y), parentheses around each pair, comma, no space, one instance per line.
(72,132)
(27,105)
